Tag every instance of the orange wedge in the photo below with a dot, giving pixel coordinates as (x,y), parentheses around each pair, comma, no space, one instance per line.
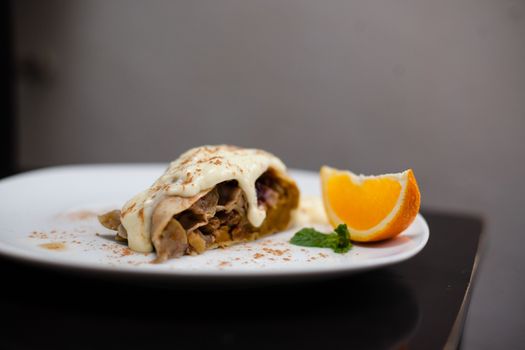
(373,208)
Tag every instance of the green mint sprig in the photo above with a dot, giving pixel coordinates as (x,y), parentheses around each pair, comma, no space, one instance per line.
(338,240)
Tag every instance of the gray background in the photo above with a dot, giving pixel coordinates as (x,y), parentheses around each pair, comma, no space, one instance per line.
(372,86)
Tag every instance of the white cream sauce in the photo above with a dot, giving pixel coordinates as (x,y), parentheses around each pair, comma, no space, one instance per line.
(310,212)
(197,170)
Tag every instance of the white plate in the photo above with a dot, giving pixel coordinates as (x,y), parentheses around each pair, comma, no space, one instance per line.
(49,216)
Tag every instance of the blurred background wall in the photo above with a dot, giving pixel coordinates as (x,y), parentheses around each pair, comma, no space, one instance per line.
(372,86)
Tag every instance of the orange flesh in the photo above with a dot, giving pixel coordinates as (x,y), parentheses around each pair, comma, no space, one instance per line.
(372,200)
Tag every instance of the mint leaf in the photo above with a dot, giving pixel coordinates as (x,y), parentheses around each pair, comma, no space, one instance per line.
(344,243)
(339,240)
(309,237)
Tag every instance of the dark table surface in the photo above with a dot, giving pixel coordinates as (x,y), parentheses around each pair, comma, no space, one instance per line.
(418,304)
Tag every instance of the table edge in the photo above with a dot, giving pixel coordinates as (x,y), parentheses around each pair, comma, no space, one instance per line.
(455,335)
